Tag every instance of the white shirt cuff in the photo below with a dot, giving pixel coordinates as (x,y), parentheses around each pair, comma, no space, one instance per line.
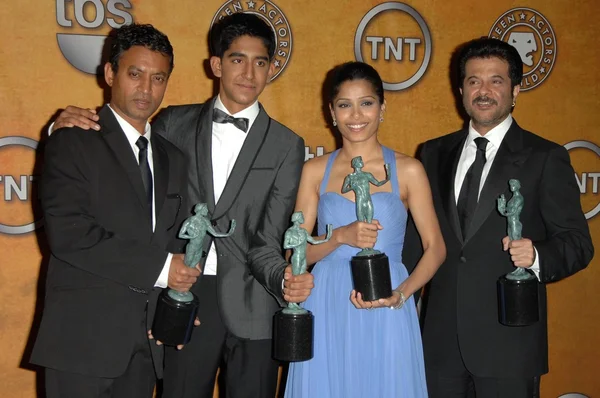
(535,267)
(163,278)
(50,129)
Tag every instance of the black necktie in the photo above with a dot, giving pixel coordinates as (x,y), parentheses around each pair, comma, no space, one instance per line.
(142,143)
(221,117)
(469,192)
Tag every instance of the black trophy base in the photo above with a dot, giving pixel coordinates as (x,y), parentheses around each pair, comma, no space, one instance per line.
(371,276)
(518,302)
(293,336)
(174,320)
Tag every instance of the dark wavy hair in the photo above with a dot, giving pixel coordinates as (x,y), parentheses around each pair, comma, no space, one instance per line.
(127,36)
(355,71)
(486,47)
(228,29)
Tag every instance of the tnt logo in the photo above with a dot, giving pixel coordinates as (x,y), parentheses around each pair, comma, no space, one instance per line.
(394,38)
(18,186)
(309,155)
(84,51)
(585,157)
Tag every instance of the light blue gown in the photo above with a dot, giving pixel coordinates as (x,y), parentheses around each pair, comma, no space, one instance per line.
(360,353)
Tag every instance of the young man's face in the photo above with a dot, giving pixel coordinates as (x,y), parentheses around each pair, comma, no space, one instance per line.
(244,71)
(138,86)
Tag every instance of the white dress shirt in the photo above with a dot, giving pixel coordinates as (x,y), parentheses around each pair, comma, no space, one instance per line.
(132,136)
(227,142)
(467,157)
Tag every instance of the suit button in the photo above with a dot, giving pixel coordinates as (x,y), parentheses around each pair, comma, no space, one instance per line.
(463,259)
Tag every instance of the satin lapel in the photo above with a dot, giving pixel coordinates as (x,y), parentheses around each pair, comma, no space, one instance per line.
(448,164)
(116,140)
(161,174)
(204,155)
(243,164)
(510,157)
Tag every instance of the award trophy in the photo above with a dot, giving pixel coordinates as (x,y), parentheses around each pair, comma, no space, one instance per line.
(370,268)
(293,326)
(176,311)
(517,290)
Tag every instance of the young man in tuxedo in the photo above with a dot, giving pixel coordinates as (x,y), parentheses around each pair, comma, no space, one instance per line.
(467,350)
(246,167)
(113,200)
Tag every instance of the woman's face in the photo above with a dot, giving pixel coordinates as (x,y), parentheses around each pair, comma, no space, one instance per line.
(357,110)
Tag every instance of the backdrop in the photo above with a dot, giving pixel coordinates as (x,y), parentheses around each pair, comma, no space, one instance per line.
(50,51)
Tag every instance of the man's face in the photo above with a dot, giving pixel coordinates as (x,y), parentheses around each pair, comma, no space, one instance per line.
(244,71)
(138,87)
(486,92)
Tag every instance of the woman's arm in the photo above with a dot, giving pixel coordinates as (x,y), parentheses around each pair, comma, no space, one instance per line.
(420,204)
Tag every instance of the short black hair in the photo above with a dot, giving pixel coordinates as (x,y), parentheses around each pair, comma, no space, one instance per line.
(486,47)
(127,36)
(229,28)
(355,71)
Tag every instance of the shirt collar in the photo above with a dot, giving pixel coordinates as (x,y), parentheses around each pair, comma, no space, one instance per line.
(250,113)
(130,132)
(494,136)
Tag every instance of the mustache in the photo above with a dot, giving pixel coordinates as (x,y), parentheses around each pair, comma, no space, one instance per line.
(484,100)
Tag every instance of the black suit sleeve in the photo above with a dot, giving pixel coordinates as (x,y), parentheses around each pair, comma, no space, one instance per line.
(413,248)
(74,235)
(568,247)
(176,244)
(265,256)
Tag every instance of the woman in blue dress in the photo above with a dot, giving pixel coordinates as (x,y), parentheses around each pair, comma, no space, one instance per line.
(364,348)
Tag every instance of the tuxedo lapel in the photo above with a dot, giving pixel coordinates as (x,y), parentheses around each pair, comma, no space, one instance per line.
(448,164)
(243,164)
(116,140)
(204,155)
(510,157)
(161,174)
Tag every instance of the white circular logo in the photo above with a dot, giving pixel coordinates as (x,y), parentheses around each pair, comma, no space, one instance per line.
(587,180)
(273,15)
(531,34)
(407,49)
(18,187)
(84,51)
(573,395)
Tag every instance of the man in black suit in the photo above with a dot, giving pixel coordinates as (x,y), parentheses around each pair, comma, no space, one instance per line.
(246,167)
(113,201)
(466,349)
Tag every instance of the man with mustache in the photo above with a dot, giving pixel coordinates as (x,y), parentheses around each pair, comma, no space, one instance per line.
(467,351)
(113,200)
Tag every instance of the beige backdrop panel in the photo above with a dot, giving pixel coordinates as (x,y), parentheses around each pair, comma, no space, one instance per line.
(36,80)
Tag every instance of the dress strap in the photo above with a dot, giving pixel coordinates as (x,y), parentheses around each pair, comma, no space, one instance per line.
(390,157)
(325,180)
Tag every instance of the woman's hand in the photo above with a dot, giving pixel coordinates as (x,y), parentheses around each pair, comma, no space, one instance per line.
(360,234)
(395,301)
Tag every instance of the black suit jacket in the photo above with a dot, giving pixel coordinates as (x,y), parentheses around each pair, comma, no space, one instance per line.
(462,298)
(105,257)
(259,195)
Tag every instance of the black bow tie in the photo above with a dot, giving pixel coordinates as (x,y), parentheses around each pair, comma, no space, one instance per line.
(221,117)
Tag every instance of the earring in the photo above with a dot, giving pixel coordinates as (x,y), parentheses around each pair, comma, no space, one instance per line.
(381,119)
(334,123)
(514,103)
